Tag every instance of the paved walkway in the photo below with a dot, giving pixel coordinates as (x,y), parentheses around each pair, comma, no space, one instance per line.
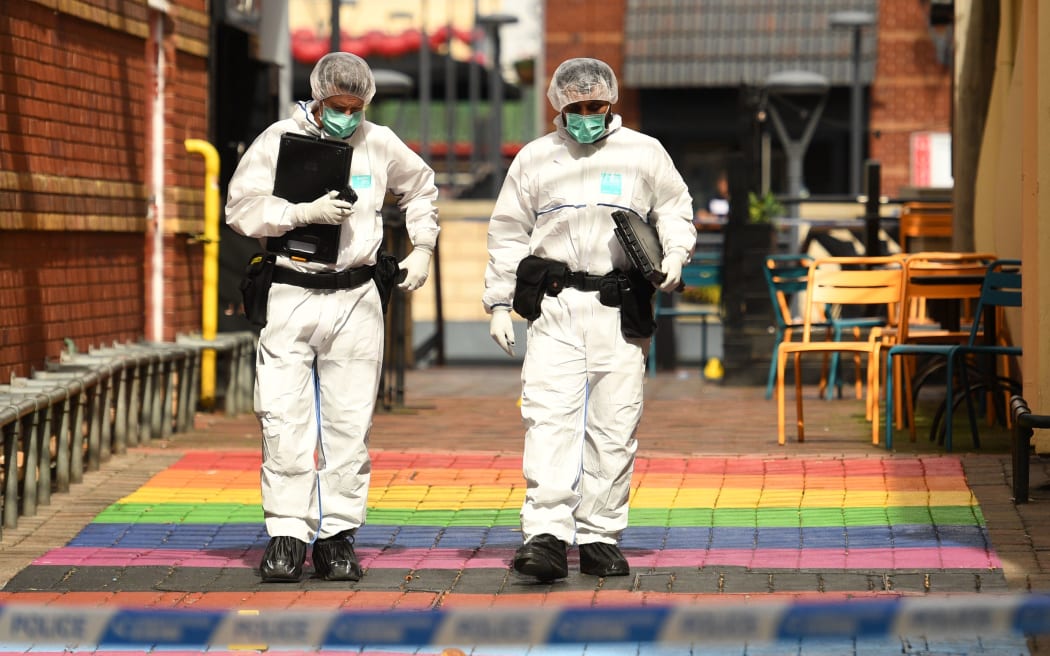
(718,511)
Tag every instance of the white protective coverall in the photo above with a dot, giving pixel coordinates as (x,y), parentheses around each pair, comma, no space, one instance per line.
(320,353)
(581,379)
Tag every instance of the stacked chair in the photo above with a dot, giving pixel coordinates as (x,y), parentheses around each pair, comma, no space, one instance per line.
(986,344)
(786,277)
(872,285)
(939,295)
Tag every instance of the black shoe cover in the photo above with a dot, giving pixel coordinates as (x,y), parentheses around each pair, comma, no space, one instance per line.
(543,557)
(334,558)
(602,559)
(283,559)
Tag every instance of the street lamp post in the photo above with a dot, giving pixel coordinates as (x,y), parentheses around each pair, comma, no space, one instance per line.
(492,23)
(795,83)
(450,108)
(474,92)
(335,35)
(424,85)
(801,83)
(855,21)
(784,83)
(424,78)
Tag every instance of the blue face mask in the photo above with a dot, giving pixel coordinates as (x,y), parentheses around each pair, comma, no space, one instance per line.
(585,129)
(339,124)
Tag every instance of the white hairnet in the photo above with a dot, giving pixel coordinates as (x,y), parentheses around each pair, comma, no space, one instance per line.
(582,79)
(340,73)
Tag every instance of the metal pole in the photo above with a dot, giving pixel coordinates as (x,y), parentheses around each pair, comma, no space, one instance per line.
(767,156)
(539,77)
(797,82)
(496,113)
(796,148)
(334,38)
(492,24)
(872,245)
(855,21)
(794,177)
(424,85)
(450,110)
(439,312)
(855,118)
(474,82)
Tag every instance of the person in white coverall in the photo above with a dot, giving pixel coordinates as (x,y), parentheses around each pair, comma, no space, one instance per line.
(320,351)
(584,362)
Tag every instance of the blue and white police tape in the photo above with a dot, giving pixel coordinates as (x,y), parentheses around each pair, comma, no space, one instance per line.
(734,622)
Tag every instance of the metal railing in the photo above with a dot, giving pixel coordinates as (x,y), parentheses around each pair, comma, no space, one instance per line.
(78,412)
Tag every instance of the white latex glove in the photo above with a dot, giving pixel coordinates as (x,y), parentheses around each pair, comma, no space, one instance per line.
(672,268)
(417,267)
(326,209)
(501,328)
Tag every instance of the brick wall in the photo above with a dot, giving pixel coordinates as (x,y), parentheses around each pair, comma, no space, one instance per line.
(911,92)
(183,275)
(75,148)
(54,288)
(590,28)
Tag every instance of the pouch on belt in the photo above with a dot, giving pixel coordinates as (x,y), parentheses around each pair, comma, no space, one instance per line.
(255,287)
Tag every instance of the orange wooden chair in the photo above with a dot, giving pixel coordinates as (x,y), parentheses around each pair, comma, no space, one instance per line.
(841,282)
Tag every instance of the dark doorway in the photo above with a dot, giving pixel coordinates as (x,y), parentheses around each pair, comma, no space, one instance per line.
(244,98)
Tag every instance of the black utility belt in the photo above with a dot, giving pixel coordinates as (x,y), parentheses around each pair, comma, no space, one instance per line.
(577,279)
(347,279)
(538,277)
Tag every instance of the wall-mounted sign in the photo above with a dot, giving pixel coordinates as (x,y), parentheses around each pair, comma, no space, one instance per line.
(931,159)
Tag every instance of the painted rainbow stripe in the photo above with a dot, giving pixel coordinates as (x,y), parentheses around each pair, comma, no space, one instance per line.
(453,511)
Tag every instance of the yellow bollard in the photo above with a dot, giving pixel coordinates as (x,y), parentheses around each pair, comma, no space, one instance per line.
(210,286)
(714,370)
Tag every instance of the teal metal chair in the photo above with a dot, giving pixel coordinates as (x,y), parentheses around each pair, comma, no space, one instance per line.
(703,270)
(839,327)
(940,291)
(786,276)
(1001,288)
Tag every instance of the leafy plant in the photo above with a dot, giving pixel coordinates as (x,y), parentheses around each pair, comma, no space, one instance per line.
(764,208)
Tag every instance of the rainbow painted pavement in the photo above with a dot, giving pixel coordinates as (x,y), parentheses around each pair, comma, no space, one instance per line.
(714,524)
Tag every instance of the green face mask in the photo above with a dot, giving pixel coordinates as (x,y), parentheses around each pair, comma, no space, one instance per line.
(339,124)
(585,129)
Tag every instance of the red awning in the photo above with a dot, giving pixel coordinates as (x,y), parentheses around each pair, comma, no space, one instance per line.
(309,46)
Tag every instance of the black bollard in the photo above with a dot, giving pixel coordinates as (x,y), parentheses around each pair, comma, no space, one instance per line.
(872,244)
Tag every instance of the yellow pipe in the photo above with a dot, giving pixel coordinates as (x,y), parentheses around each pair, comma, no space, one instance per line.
(210,288)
